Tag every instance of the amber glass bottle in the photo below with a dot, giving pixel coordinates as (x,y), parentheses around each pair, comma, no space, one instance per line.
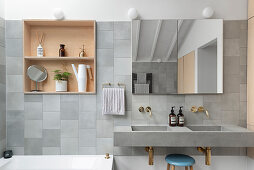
(180,117)
(172,117)
(61,50)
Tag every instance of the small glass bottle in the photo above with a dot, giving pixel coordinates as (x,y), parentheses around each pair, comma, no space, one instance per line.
(180,118)
(61,50)
(172,117)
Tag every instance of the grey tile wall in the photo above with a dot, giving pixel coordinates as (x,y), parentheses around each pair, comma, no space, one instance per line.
(2,87)
(73,124)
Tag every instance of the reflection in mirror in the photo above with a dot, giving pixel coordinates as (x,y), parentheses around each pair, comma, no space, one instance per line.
(154,50)
(177,56)
(200,56)
(37,73)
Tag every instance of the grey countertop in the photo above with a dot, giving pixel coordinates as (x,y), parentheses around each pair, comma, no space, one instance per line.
(200,135)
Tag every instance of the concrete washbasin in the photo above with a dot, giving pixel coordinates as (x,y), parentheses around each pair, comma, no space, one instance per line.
(205,128)
(149,128)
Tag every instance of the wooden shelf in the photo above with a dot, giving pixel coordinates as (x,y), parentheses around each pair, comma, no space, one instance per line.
(73,34)
(60,58)
(60,93)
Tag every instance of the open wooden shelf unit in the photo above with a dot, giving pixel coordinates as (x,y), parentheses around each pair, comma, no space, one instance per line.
(71,33)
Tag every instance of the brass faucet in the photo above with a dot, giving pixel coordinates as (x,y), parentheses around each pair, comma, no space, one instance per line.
(149,110)
(141,109)
(150,154)
(194,109)
(208,154)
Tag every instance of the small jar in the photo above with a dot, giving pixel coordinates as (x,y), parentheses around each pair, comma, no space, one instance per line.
(61,50)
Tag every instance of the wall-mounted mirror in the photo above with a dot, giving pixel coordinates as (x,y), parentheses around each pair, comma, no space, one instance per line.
(177,56)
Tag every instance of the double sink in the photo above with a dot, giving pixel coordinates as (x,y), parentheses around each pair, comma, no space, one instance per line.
(167,128)
(188,136)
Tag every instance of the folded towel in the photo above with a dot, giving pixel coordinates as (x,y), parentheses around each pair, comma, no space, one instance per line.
(113,101)
(141,88)
(141,78)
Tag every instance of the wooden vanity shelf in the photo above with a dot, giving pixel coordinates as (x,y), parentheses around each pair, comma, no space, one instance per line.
(71,33)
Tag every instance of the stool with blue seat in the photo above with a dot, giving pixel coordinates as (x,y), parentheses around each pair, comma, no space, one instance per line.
(174,160)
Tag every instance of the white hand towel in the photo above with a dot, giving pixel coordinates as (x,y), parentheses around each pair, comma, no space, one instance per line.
(113,102)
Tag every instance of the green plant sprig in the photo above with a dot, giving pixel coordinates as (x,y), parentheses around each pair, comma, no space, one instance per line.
(59,75)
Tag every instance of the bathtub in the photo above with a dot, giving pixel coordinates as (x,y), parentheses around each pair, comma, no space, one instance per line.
(61,162)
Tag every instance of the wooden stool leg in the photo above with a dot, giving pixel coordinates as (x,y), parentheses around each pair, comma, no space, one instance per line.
(173,167)
(168,167)
(191,168)
(186,168)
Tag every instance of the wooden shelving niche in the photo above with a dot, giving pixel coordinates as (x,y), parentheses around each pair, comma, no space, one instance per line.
(71,33)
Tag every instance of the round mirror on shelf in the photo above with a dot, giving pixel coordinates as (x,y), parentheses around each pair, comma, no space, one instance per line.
(37,73)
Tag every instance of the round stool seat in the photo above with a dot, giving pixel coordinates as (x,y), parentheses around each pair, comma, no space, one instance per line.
(179,160)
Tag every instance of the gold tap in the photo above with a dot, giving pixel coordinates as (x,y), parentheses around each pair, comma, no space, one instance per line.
(150,154)
(107,156)
(194,109)
(208,154)
(149,110)
(141,109)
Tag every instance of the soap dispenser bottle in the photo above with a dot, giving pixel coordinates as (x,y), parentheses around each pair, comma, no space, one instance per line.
(172,117)
(180,117)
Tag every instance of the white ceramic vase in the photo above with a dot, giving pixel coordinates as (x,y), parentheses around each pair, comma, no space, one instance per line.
(61,85)
(81,76)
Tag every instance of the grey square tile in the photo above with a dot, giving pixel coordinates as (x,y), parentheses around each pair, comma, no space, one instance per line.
(105,26)
(122,66)
(193,100)
(104,145)
(69,110)
(51,120)
(33,146)
(33,129)
(104,128)
(51,103)
(243,37)
(33,110)
(17,150)
(230,102)
(176,100)
(231,83)
(51,151)
(69,146)
(243,111)
(15,101)
(69,98)
(3,74)
(243,92)
(87,120)
(231,47)
(105,57)
(69,128)
(122,30)
(243,74)
(231,29)
(14,65)
(14,48)
(231,65)
(243,56)
(15,115)
(87,137)
(87,103)
(105,39)
(14,29)
(124,120)
(122,49)
(15,133)
(230,117)
(33,98)
(51,138)
(159,103)
(87,150)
